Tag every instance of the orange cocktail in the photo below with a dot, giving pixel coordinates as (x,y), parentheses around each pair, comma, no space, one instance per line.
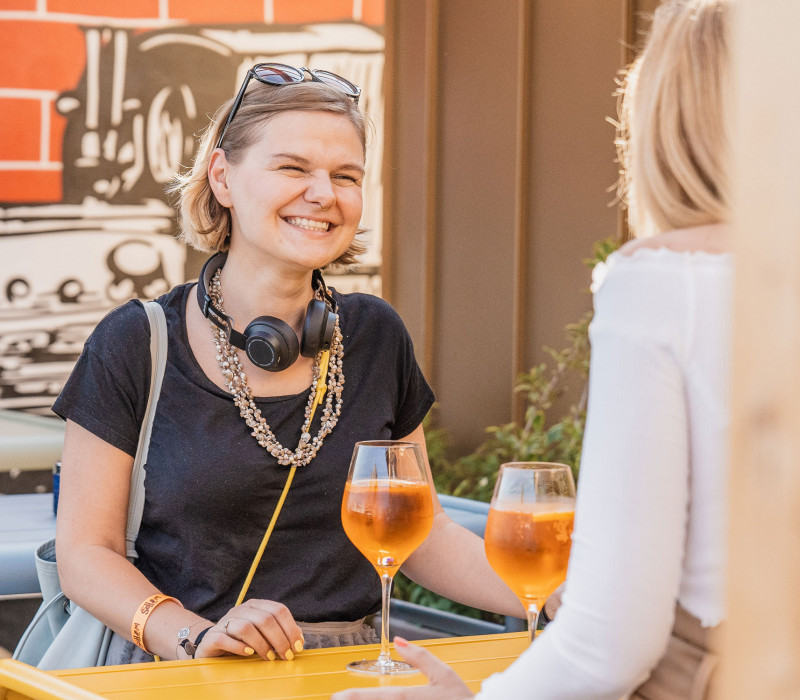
(529,531)
(529,549)
(387,512)
(387,520)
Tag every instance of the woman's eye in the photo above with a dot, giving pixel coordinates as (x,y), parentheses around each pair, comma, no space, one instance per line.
(347,179)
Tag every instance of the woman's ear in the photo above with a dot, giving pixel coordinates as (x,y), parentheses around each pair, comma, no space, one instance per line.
(218,172)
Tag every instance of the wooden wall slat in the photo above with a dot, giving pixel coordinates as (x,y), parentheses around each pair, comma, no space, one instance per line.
(762,639)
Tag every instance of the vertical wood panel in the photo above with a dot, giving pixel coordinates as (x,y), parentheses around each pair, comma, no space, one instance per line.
(430,170)
(519,345)
(762,639)
(476,191)
(391,127)
(575,56)
(404,198)
(500,161)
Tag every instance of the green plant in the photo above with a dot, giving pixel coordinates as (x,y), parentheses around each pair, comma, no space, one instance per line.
(538,437)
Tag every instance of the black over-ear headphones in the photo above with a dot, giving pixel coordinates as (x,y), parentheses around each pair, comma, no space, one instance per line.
(269,342)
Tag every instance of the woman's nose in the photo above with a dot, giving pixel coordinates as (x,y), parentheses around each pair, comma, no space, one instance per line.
(320,192)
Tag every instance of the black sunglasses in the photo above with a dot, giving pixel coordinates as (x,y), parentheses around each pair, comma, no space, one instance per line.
(278,74)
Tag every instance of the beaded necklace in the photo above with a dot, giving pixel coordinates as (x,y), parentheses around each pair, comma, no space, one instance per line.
(236,381)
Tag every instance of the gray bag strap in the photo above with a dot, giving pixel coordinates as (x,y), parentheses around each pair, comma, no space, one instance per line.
(158,356)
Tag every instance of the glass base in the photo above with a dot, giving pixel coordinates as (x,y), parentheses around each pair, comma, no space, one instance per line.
(376,667)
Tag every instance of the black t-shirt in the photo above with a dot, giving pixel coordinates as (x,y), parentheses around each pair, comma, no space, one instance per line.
(210,489)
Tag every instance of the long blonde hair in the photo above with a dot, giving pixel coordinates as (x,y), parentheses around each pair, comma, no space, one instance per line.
(673,140)
(204,223)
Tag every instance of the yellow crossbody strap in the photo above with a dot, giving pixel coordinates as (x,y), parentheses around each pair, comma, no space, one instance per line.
(321,387)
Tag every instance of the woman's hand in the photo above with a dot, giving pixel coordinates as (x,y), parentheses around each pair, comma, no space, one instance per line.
(553,603)
(261,627)
(443,682)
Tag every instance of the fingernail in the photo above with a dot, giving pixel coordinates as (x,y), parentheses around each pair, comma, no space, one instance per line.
(298,645)
(271,655)
(289,655)
(249,651)
(400,642)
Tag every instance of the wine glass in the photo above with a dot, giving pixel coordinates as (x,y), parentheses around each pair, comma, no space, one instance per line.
(387,512)
(529,531)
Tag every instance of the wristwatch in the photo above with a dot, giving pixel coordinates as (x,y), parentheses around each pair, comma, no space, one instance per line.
(190,647)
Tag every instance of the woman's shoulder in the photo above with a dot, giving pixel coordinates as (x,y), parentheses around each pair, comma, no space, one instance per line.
(127,324)
(665,259)
(364,306)
(713,239)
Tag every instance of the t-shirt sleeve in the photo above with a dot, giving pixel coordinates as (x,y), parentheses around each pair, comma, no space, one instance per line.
(415,396)
(107,390)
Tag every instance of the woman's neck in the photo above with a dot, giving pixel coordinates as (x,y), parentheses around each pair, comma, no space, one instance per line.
(249,291)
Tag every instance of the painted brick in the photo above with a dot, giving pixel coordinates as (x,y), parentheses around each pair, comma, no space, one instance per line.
(27,5)
(373,12)
(214,11)
(104,8)
(19,137)
(41,55)
(291,11)
(57,126)
(30,186)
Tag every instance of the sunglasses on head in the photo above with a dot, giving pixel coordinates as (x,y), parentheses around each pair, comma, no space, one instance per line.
(278,74)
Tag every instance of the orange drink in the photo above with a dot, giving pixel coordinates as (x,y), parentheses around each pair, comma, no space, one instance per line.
(387,519)
(529,548)
(529,531)
(387,512)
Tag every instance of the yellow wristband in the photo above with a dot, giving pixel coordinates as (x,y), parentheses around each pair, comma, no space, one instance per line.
(142,613)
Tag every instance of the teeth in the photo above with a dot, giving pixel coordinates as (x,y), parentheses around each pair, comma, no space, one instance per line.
(309,224)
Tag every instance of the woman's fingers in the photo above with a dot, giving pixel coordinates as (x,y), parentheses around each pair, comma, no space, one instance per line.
(258,626)
(553,603)
(217,643)
(444,683)
(439,673)
(245,632)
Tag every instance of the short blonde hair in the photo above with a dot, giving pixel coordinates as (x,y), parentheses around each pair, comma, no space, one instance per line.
(673,140)
(204,223)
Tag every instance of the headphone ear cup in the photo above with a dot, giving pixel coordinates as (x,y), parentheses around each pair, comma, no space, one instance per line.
(317,328)
(270,343)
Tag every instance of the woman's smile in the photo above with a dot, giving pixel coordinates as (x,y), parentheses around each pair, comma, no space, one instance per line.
(308,224)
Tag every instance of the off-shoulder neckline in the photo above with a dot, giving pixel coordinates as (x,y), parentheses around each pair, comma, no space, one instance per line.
(664,252)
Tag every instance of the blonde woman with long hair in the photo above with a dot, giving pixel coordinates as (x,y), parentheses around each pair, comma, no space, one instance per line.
(648,552)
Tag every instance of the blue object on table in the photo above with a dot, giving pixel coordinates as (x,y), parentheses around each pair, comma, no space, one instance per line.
(56,485)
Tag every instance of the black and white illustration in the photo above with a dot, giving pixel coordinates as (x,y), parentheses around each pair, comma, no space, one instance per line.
(132,122)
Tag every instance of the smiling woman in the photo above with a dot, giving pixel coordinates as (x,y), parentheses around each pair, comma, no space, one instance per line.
(246,403)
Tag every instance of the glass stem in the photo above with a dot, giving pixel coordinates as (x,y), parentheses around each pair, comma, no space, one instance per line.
(386,595)
(533,620)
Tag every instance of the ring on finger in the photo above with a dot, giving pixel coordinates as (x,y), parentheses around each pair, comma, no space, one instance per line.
(225,626)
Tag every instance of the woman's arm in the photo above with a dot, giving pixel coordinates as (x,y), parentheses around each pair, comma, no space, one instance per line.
(452,560)
(95,573)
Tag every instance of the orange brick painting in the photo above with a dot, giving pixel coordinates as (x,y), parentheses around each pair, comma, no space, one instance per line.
(101,103)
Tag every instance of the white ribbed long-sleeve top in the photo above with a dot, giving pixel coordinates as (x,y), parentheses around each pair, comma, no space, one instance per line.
(651,504)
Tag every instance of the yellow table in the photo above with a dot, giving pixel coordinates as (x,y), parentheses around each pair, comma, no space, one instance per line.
(312,675)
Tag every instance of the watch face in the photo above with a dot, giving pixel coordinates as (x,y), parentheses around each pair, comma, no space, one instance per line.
(183,633)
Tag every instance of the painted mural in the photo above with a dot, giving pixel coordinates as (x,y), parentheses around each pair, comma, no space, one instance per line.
(104,233)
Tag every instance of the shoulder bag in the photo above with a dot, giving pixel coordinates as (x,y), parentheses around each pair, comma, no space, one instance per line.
(61,634)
